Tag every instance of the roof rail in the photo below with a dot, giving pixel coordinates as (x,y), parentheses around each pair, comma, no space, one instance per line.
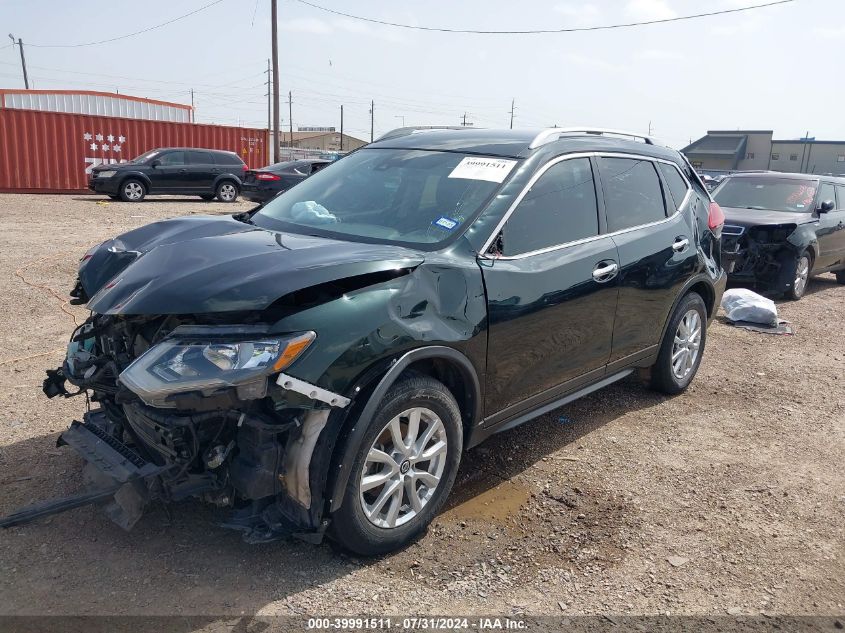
(404,131)
(554,133)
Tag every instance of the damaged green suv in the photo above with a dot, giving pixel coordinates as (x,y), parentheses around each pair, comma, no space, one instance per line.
(320,363)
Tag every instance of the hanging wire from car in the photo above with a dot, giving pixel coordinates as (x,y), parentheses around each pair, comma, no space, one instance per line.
(603,27)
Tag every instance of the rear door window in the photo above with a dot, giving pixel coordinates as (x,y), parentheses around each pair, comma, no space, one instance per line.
(633,195)
(559,208)
(677,185)
(200,158)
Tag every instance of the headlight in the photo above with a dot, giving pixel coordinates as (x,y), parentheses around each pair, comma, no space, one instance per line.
(182,363)
(106,174)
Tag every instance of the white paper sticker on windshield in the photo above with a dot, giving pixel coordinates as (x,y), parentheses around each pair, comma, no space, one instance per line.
(478,168)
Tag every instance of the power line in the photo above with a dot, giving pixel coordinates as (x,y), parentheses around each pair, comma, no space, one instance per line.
(544,31)
(123,37)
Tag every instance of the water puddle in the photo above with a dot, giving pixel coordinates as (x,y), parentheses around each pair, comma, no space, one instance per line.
(497,503)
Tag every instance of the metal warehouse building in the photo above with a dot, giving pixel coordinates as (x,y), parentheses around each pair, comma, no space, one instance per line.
(731,150)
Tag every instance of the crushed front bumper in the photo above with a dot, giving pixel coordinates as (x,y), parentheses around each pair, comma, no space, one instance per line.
(117,477)
(751,263)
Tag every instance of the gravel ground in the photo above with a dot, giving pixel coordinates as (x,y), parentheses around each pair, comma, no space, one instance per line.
(727,499)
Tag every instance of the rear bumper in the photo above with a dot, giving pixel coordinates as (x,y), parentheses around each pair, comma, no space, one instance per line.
(258,193)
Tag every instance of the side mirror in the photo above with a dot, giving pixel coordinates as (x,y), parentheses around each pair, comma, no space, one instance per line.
(826,206)
(155,163)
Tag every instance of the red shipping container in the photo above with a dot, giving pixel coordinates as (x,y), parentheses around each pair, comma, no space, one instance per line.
(54,151)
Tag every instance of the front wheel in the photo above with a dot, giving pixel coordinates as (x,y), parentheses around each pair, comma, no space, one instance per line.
(227,191)
(403,470)
(800,275)
(132,191)
(682,347)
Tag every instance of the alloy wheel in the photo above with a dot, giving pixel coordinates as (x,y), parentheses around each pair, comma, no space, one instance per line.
(133,190)
(686,344)
(403,467)
(802,274)
(228,192)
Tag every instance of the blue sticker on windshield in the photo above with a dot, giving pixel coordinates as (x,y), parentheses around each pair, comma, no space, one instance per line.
(446,223)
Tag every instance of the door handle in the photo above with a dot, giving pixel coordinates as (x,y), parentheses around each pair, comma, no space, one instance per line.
(605,271)
(680,244)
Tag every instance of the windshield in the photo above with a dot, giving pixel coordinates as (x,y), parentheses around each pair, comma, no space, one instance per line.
(413,197)
(143,158)
(770,194)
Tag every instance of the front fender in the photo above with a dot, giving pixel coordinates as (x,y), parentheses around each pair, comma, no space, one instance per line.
(136,175)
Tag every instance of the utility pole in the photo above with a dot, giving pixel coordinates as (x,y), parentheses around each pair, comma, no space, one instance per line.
(290,115)
(372,118)
(341,128)
(464,122)
(23,60)
(269,106)
(193,115)
(513,107)
(274,13)
(649,128)
(400,116)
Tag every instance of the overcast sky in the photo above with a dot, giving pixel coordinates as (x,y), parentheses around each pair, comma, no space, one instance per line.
(776,68)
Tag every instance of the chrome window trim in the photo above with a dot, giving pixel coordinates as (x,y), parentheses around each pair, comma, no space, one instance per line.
(484,253)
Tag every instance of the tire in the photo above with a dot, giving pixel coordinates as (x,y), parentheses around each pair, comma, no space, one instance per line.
(227,191)
(840,277)
(438,412)
(132,190)
(208,197)
(667,375)
(800,279)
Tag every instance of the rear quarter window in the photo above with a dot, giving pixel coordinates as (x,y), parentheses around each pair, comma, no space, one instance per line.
(677,185)
(228,159)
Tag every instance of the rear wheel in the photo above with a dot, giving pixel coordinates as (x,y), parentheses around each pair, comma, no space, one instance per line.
(132,191)
(403,470)
(800,275)
(227,191)
(682,347)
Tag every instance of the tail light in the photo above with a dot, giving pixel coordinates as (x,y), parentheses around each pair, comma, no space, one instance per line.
(715,219)
(266,176)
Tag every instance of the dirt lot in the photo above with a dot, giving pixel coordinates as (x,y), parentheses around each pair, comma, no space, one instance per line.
(729,498)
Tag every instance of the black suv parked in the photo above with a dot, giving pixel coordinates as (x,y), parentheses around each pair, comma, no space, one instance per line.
(782,228)
(323,362)
(207,173)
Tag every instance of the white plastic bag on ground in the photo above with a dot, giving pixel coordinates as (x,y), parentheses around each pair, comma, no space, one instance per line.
(741,304)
